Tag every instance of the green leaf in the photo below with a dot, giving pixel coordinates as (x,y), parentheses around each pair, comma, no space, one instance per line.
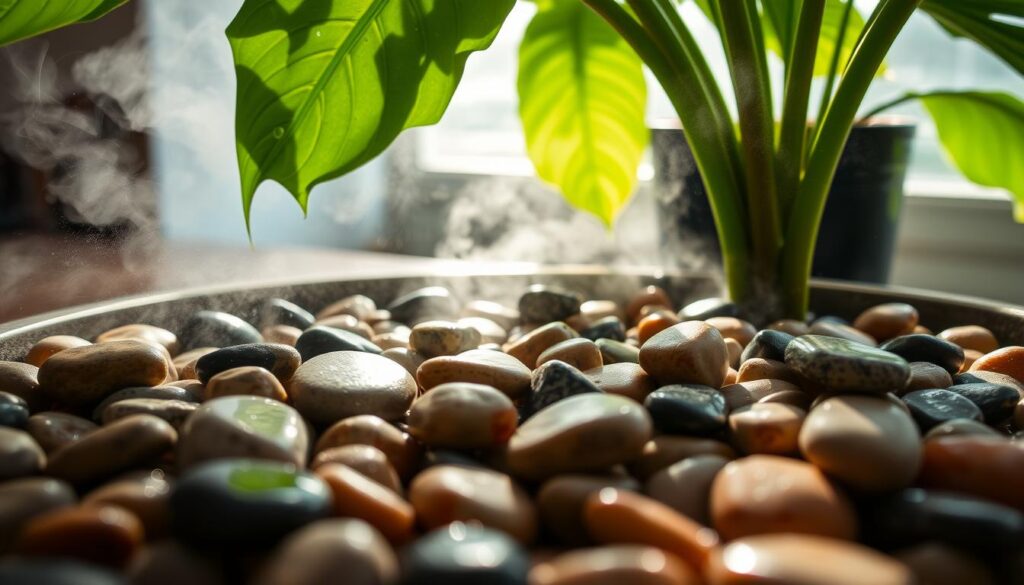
(324,86)
(21,19)
(582,98)
(983,133)
(780,19)
(997,25)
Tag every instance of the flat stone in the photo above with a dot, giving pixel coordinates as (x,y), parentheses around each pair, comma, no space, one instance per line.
(20,455)
(531,345)
(933,407)
(217,329)
(982,376)
(341,384)
(359,306)
(358,496)
(579,353)
(830,328)
(175,412)
(143,332)
(102,535)
(246,381)
(887,320)
(610,327)
(614,565)
(282,312)
(402,451)
(687,409)
(584,433)
(664,450)
(623,379)
(762,494)
(561,499)
(464,554)
(555,381)
(925,376)
(122,445)
(767,344)
(688,353)
(996,401)
(543,304)
(654,323)
(973,337)
(54,430)
(437,338)
(685,486)
(280,360)
(477,366)
(768,428)
(320,339)
(47,346)
(146,498)
(869,443)
(369,461)
(617,352)
(463,416)
(927,348)
(708,308)
(840,365)
(164,392)
(83,376)
(432,302)
(986,467)
(243,426)
(21,500)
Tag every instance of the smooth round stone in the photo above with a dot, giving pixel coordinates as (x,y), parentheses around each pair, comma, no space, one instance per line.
(530,346)
(986,467)
(24,499)
(614,565)
(589,432)
(350,324)
(685,486)
(796,398)
(796,559)
(281,360)
(868,443)
(543,304)
(687,409)
(425,304)
(961,426)
(934,407)
(341,384)
(170,563)
(463,416)
(398,339)
(555,381)
(735,353)
(688,353)
(103,535)
(617,352)
(185,362)
(282,312)
(53,430)
(500,314)
(831,328)
(217,329)
(359,306)
(246,381)
(767,344)
(579,353)
(368,461)
(1008,361)
(983,376)
(464,554)
(47,346)
(763,369)
(927,348)
(14,411)
(610,327)
(282,334)
(122,445)
(938,564)
(405,357)
(841,366)
(327,549)
(767,428)
(142,332)
(437,338)
(622,379)
(732,328)
(708,308)
(446,493)
(561,499)
(243,426)
(490,332)
(358,496)
(997,402)
(925,376)
(743,394)
(175,412)
(615,516)
(790,326)
(320,339)
(165,392)
(887,320)
(973,337)
(664,450)
(146,498)
(402,451)
(649,296)
(655,323)
(20,455)
(762,494)
(22,380)
(477,366)
(83,376)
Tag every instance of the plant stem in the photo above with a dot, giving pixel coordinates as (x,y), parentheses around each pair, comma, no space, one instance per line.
(888,19)
(833,66)
(799,75)
(890,104)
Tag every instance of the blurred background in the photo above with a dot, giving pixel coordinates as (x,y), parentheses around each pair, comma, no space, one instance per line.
(118,175)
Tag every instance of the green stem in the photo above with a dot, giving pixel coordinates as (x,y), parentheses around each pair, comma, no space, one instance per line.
(799,75)
(833,66)
(890,104)
(888,19)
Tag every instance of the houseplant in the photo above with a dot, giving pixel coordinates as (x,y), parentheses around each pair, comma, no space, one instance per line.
(324,86)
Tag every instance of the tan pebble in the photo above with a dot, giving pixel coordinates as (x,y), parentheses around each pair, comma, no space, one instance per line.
(20,455)
(405,357)
(194,387)
(283,334)
(933,563)
(147,499)
(746,393)
(437,338)
(685,486)
(22,380)
(402,451)
(243,426)
(490,332)
(961,426)
(459,415)
(104,535)
(1008,360)
(175,412)
(987,467)
(970,356)
(732,328)
(791,326)
(378,316)
(445,493)
(388,326)
(615,565)
(655,323)
(730,377)
(367,460)
(47,346)
(767,428)
(923,330)
(478,366)
(795,559)
(973,337)
(392,339)
(500,314)
(560,503)
(121,445)
(341,384)
(762,494)
(833,329)
(735,352)
(246,381)
(625,379)
(85,375)
(765,369)
(692,352)
(797,398)
(597,309)
(185,363)
(580,353)
(169,563)
(888,320)
(925,375)
(320,552)
(359,306)
(529,347)
(1001,379)
(21,500)
(664,450)
(577,322)
(348,323)
(142,332)
(53,430)
(358,496)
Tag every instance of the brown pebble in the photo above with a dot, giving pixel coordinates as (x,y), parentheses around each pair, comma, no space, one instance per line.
(791,326)
(560,503)
(169,563)
(437,338)
(118,446)
(53,430)
(246,381)
(283,334)
(970,356)
(987,467)
(358,496)
(925,375)
(735,351)
(744,394)
(797,398)
(47,346)
(973,337)
(1008,360)
(529,347)
(685,486)
(348,323)
(765,369)
(359,306)
(625,379)
(21,500)
(146,498)
(933,563)
(959,427)
(596,309)
(648,296)
(369,461)
(341,384)
(81,376)
(615,565)
(194,387)
(22,380)
(175,412)
(580,353)
(405,357)
(458,415)
(392,340)
(692,352)
(185,363)
(104,535)
(761,494)
(402,451)
(888,320)
(732,328)
(768,428)
(664,450)
(145,333)
(654,323)
(477,366)
(842,331)
(20,455)
(500,314)
(490,332)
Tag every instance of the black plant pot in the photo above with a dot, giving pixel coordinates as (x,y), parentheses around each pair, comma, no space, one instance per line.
(858,231)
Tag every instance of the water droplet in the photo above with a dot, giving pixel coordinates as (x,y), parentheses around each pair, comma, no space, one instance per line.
(318,33)
(278,132)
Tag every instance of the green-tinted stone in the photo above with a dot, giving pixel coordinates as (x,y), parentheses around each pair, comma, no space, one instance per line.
(244,426)
(841,365)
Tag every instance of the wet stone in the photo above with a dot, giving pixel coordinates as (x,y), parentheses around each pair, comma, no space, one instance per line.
(555,381)
(280,360)
(337,385)
(358,496)
(245,504)
(708,308)
(369,461)
(654,324)
(531,345)
(165,392)
(401,450)
(685,486)
(888,320)
(437,338)
(925,376)
(175,412)
(688,353)
(47,346)
(687,409)
(610,327)
(102,535)
(614,565)
(243,426)
(478,366)
(217,329)
(927,348)
(20,455)
(973,337)
(617,352)
(282,312)
(125,444)
(579,353)
(463,416)
(145,333)
(933,407)
(997,402)
(767,344)
(543,304)
(560,502)
(24,499)
(53,430)
(767,428)
(358,306)
(425,304)
(14,411)
(464,554)
(83,376)
(246,381)
(840,365)
(320,339)
(732,328)
(623,379)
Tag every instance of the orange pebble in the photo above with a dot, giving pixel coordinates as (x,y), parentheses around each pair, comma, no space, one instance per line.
(46,347)
(984,466)
(358,496)
(653,324)
(1008,360)
(105,535)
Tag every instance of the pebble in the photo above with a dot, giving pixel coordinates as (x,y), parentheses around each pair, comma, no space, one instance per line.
(1008,360)
(359,306)
(145,333)
(767,344)
(122,445)
(937,564)
(742,394)
(168,562)
(927,348)
(866,442)
(765,369)
(14,411)
(790,326)
(21,500)
(490,332)
(281,360)
(425,304)
(477,366)
(357,496)
(185,362)
(997,402)
(615,516)
(841,366)
(175,412)
(616,352)
(245,504)
(597,309)
(560,502)
(350,324)
(934,407)
(685,486)
(610,327)
(146,498)
(925,376)
(655,323)
(22,380)
(20,455)
(320,339)
(405,357)
(768,428)
(888,320)
(243,426)
(762,494)
(579,353)
(164,392)
(282,334)
(398,339)
(614,565)
(830,328)
(732,328)
(584,433)
(463,416)
(797,559)
(664,450)
(53,430)
(980,376)
(648,296)
(687,409)
(973,337)
(986,467)
(341,384)
(84,376)
(505,317)
(43,349)
(321,552)
(688,353)
(555,381)
(531,345)
(708,308)
(543,304)
(103,535)
(971,356)
(796,398)
(281,312)
(961,426)
(217,329)
(246,381)
(402,451)
(623,379)
(735,351)
(464,554)
(437,338)
(369,461)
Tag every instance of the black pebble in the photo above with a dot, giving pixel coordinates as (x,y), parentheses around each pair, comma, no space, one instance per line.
(927,348)
(543,304)
(554,381)
(217,329)
(933,407)
(425,304)
(320,339)
(250,354)
(708,308)
(687,409)
(13,415)
(996,401)
(464,554)
(767,344)
(282,312)
(610,327)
